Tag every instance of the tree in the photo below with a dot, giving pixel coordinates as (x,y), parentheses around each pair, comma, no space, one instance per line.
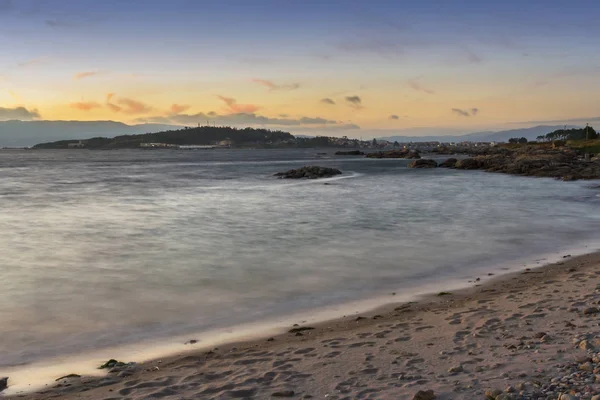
(523,140)
(374,142)
(513,140)
(541,138)
(396,144)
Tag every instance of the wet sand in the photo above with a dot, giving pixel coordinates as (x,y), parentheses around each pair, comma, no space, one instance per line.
(515,334)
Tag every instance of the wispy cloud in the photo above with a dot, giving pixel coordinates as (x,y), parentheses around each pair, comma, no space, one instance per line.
(82,75)
(241,119)
(581,121)
(466,112)
(85,105)
(14,95)
(273,86)
(233,106)
(131,106)
(327,101)
(394,116)
(126,105)
(20,113)
(416,85)
(354,101)
(57,23)
(32,62)
(178,108)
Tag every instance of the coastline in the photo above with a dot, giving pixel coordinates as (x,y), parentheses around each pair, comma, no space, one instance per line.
(365,324)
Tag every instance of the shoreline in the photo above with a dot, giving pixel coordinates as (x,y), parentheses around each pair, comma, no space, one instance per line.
(372,316)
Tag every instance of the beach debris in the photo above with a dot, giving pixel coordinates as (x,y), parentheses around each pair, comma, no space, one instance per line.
(68,377)
(359,318)
(425,395)
(192,341)
(3,383)
(284,393)
(112,363)
(456,369)
(444,294)
(301,329)
(591,311)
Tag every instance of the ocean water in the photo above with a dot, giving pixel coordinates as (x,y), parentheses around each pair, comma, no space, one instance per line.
(107,248)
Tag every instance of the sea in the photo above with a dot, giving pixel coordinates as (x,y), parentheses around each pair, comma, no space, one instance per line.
(107,249)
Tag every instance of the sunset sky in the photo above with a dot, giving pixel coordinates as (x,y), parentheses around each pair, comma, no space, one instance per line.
(325,66)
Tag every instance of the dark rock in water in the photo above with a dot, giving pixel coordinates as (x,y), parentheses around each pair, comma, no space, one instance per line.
(468,163)
(3,383)
(309,172)
(422,163)
(403,153)
(449,163)
(349,153)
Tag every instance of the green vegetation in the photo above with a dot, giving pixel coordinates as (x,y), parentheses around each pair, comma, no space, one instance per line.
(112,363)
(587,133)
(205,135)
(517,140)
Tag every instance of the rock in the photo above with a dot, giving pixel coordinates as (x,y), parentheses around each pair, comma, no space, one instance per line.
(588,366)
(112,363)
(456,369)
(468,163)
(349,153)
(492,393)
(596,397)
(504,396)
(566,396)
(590,311)
(402,153)
(284,393)
(301,329)
(425,395)
(422,163)
(585,345)
(449,163)
(3,383)
(309,172)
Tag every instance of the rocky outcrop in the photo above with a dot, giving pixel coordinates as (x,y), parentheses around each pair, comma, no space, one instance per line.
(3,383)
(349,153)
(423,163)
(309,172)
(449,163)
(563,163)
(402,153)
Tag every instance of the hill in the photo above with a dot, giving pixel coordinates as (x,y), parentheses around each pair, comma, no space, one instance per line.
(27,133)
(205,135)
(485,136)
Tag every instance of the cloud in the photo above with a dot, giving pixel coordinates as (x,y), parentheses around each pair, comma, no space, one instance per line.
(327,101)
(130,106)
(32,62)
(55,23)
(20,113)
(354,101)
(581,120)
(273,86)
(241,119)
(126,105)
(394,116)
(466,113)
(234,107)
(178,108)
(82,75)
(14,95)
(85,106)
(414,84)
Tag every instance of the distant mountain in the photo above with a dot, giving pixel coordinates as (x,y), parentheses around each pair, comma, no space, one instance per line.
(29,133)
(485,136)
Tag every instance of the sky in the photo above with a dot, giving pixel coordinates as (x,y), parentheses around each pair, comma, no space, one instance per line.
(349,67)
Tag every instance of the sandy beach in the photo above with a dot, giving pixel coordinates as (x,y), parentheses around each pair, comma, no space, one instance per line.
(526,335)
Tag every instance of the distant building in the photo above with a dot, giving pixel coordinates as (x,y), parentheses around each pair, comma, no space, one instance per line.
(77,145)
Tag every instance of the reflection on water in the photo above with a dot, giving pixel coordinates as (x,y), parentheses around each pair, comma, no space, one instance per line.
(106,248)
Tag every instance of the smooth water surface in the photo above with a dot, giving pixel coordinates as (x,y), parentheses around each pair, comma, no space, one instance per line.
(111,247)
